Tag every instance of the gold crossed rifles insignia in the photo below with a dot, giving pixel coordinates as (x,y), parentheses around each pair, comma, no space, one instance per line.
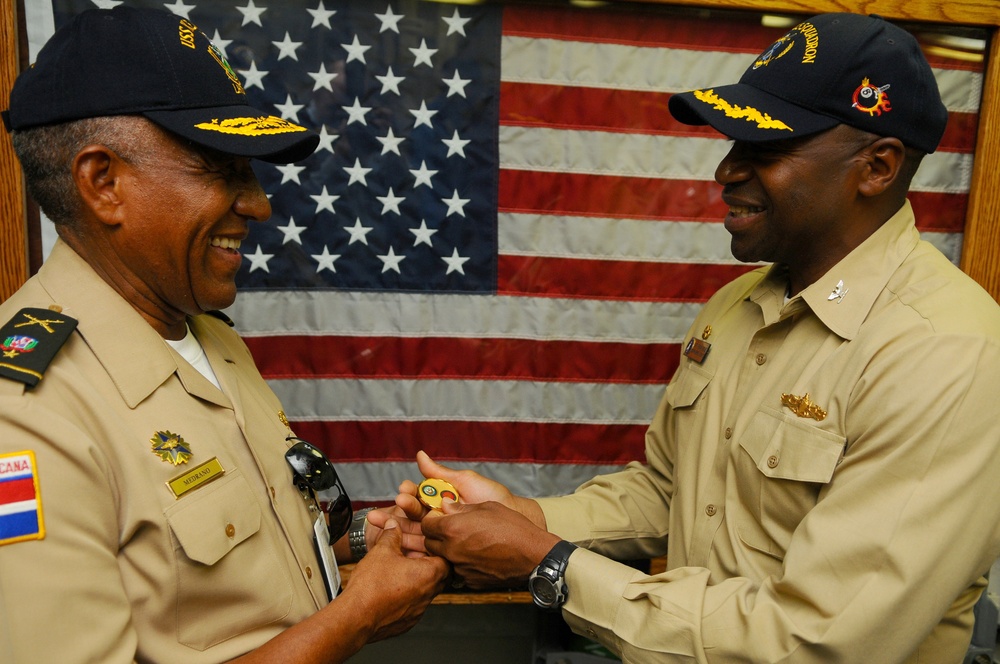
(46,324)
(27,357)
(803,407)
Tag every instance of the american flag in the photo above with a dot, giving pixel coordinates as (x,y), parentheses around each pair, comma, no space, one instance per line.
(497,249)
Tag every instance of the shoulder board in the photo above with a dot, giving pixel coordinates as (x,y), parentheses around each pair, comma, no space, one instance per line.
(223,317)
(30,340)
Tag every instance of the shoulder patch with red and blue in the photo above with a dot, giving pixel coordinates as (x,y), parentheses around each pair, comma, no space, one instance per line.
(20,499)
(30,340)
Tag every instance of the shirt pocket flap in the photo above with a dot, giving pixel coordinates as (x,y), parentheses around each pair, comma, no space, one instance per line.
(686,386)
(787,448)
(213,520)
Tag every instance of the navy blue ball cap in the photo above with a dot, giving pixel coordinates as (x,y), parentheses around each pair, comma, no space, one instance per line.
(831,69)
(150,62)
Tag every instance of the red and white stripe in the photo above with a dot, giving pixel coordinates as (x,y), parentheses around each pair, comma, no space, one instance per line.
(609,241)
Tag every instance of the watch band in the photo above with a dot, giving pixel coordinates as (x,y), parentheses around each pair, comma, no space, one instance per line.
(356,534)
(558,556)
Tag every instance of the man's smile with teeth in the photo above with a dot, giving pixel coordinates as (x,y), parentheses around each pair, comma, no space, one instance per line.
(225,242)
(744,210)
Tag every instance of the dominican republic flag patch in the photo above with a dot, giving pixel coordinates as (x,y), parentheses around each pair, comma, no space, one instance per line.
(20,500)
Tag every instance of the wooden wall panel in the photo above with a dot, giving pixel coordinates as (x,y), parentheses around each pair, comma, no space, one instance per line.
(13,237)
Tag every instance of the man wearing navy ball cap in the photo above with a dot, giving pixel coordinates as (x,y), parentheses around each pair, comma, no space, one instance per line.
(154,503)
(822,471)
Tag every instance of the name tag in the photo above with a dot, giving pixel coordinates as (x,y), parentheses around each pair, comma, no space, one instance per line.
(331,573)
(196,477)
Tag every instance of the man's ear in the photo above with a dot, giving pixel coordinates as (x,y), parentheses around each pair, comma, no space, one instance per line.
(883,163)
(97,172)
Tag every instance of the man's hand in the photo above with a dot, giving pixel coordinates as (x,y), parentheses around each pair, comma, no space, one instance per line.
(488,543)
(411,536)
(391,589)
(472,488)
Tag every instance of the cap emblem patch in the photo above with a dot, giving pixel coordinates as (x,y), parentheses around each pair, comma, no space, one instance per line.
(779,48)
(221,59)
(750,114)
(774,52)
(259,126)
(871,99)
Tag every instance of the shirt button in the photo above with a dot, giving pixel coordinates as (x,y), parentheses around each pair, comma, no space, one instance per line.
(272,492)
(772,461)
(710,510)
(729,433)
(230,530)
(309,572)
(591,633)
(761,358)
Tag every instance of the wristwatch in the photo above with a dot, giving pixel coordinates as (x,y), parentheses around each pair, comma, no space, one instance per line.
(547,583)
(356,534)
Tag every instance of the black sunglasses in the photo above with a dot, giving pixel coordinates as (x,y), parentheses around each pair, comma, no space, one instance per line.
(311,470)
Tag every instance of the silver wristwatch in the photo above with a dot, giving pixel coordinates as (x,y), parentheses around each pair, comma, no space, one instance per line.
(547,583)
(356,534)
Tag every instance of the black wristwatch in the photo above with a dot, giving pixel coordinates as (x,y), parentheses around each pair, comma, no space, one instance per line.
(547,583)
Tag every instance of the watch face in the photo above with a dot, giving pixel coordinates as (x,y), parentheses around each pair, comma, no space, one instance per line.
(543,590)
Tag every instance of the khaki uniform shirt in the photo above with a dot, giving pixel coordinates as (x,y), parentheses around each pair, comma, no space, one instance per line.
(854,530)
(127,570)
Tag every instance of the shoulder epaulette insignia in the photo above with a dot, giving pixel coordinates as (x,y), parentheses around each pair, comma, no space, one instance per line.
(223,317)
(30,340)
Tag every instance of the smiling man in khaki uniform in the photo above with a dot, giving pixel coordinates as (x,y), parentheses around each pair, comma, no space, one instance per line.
(823,472)
(147,511)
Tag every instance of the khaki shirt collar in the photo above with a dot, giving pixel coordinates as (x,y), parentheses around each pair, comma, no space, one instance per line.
(130,350)
(844,296)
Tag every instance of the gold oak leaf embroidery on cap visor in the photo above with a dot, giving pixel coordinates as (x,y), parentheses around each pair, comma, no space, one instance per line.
(251,126)
(763,120)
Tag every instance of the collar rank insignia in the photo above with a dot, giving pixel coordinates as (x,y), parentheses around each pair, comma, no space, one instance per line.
(29,342)
(838,293)
(697,349)
(170,447)
(803,407)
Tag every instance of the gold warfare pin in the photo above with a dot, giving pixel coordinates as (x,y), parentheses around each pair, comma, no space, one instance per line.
(170,447)
(803,406)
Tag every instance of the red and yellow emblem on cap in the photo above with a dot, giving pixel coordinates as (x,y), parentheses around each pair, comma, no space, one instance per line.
(871,99)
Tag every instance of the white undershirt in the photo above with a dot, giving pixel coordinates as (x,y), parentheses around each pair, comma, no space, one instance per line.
(190,349)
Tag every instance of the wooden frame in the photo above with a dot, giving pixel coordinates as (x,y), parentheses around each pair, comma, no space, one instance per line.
(981,247)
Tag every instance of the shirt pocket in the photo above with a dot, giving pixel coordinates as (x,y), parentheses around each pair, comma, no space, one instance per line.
(783,463)
(686,386)
(229,578)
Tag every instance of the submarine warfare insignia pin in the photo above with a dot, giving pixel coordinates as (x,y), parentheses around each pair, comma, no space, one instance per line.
(803,407)
(170,447)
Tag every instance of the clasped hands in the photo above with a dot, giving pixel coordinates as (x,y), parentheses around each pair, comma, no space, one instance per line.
(491,537)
